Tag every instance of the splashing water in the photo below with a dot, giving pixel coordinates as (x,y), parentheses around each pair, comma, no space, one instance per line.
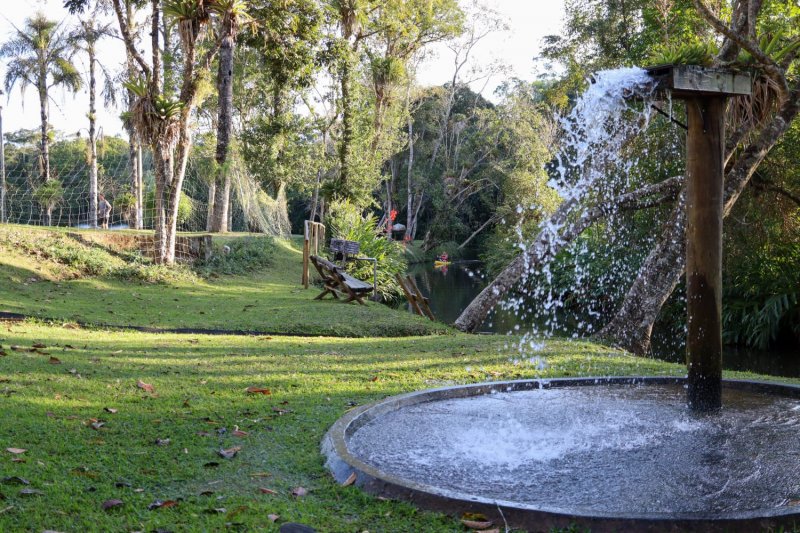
(599,159)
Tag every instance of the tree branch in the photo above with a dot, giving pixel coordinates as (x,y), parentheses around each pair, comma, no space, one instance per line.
(127,38)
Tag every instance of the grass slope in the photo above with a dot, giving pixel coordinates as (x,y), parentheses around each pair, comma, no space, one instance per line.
(93,285)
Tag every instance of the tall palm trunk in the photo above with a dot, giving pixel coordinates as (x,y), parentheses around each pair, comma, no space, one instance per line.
(222,189)
(92,138)
(44,147)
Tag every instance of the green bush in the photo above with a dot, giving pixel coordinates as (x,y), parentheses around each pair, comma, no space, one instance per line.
(242,256)
(344,221)
(185,207)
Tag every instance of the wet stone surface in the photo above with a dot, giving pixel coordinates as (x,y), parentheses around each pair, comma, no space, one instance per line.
(600,449)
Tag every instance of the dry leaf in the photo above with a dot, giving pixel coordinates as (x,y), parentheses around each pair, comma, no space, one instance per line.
(273,517)
(30,492)
(238,432)
(258,390)
(158,504)
(350,480)
(264,490)
(230,453)
(16,450)
(110,410)
(477,524)
(145,386)
(261,474)
(110,504)
(162,442)
(281,411)
(211,464)
(299,492)
(38,345)
(16,480)
(54,360)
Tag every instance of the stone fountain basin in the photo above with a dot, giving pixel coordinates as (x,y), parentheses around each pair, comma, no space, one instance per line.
(607,453)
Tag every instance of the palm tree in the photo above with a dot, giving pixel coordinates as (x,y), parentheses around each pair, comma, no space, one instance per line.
(85,38)
(40,56)
(232,14)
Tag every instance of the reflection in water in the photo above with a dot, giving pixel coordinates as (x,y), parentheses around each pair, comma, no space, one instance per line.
(451,290)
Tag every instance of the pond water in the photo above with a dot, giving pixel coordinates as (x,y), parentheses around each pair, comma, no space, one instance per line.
(451,289)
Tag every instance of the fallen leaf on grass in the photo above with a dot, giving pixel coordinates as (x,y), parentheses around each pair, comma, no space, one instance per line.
(110,504)
(30,492)
(3,353)
(54,360)
(94,423)
(145,386)
(211,464)
(258,390)
(18,460)
(299,492)
(261,474)
(474,524)
(230,453)
(16,480)
(69,347)
(281,411)
(162,442)
(238,432)
(350,480)
(158,504)
(264,490)
(217,510)
(110,410)
(273,517)
(38,345)
(16,451)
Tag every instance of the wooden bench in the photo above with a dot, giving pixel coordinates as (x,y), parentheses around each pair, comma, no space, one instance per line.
(336,280)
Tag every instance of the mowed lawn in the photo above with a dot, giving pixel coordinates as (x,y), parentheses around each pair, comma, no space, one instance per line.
(118,430)
(82,407)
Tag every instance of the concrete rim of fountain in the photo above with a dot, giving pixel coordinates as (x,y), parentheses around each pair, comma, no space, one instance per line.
(343,465)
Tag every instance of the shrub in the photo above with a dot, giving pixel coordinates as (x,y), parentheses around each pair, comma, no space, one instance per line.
(243,255)
(344,221)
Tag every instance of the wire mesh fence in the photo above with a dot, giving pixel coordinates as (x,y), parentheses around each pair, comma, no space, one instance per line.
(64,200)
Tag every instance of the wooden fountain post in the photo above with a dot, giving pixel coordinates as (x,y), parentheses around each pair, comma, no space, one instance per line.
(704,177)
(705,92)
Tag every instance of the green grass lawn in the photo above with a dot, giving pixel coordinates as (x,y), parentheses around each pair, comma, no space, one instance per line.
(132,417)
(268,300)
(199,399)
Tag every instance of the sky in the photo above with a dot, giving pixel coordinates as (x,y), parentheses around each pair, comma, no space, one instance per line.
(528,22)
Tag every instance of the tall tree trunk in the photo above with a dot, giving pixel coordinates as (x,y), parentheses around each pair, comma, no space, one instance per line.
(347,128)
(92,138)
(163,174)
(219,219)
(212,193)
(410,215)
(315,197)
(134,145)
(140,188)
(44,147)
(3,191)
